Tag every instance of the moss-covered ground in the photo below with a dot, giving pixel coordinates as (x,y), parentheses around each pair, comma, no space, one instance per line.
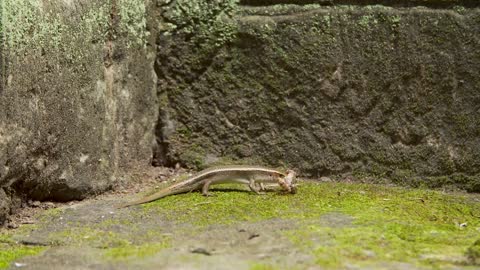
(10,251)
(331,225)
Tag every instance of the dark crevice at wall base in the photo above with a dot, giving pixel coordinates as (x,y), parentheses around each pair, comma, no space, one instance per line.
(161,147)
(391,3)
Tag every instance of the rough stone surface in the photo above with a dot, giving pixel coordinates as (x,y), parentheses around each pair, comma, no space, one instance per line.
(78,99)
(395,3)
(4,205)
(374,90)
(325,87)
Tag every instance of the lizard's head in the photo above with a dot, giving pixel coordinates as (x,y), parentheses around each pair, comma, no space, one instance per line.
(288,182)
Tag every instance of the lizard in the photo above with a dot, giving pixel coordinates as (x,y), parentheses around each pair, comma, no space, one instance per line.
(253,176)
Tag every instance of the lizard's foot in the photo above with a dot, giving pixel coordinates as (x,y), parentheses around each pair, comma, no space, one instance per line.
(205,189)
(261,187)
(208,194)
(254,187)
(258,191)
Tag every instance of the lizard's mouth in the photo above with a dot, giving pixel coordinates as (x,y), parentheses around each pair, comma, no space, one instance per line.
(289,182)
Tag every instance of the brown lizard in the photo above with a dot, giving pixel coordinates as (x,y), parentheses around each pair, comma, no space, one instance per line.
(253,176)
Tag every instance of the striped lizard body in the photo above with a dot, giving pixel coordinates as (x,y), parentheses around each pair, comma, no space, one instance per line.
(253,176)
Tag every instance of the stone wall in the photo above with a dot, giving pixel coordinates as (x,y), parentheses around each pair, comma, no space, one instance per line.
(369,91)
(392,3)
(78,101)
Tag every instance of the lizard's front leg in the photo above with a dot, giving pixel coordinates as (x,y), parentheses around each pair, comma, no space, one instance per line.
(262,187)
(252,186)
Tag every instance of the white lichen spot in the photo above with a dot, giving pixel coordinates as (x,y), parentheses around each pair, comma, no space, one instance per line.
(100,91)
(452,152)
(431,141)
(83,158)
(125,93)
(9,79)
(64,175)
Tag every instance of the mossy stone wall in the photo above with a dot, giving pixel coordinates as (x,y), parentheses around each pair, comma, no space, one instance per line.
(362,91)
(77,105)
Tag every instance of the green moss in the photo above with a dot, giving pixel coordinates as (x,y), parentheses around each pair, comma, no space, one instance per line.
(10,251)
(133,22)
(194,156)
(232,205)
(133,251)
(393,225)
(473,253)
(367,20)
(207,22)
(77,236)
(33,25)
(51,214)
(382,225)
(364,245)
(115,246)
(130,244)
(421,227)
(235,203)
(262,266)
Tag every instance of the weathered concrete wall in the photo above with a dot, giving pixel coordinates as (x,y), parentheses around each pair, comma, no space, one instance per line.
(78,102)
(365,90)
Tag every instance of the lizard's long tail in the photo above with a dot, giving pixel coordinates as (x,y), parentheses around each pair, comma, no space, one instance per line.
(158,195)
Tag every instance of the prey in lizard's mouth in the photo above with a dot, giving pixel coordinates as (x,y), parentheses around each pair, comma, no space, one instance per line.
(288,182)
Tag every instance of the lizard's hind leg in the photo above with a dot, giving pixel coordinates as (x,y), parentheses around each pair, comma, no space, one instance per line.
(205,189)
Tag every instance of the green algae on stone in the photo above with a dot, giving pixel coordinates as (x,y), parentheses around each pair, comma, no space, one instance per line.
(11,251)
(115,244)
(389,224)
(234,203)
(31,24)
(262,266)
(473,253)
(206,21)
(51,214)
(133,22)
(396,225)
(135,251)
(78,236)
(229,204)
